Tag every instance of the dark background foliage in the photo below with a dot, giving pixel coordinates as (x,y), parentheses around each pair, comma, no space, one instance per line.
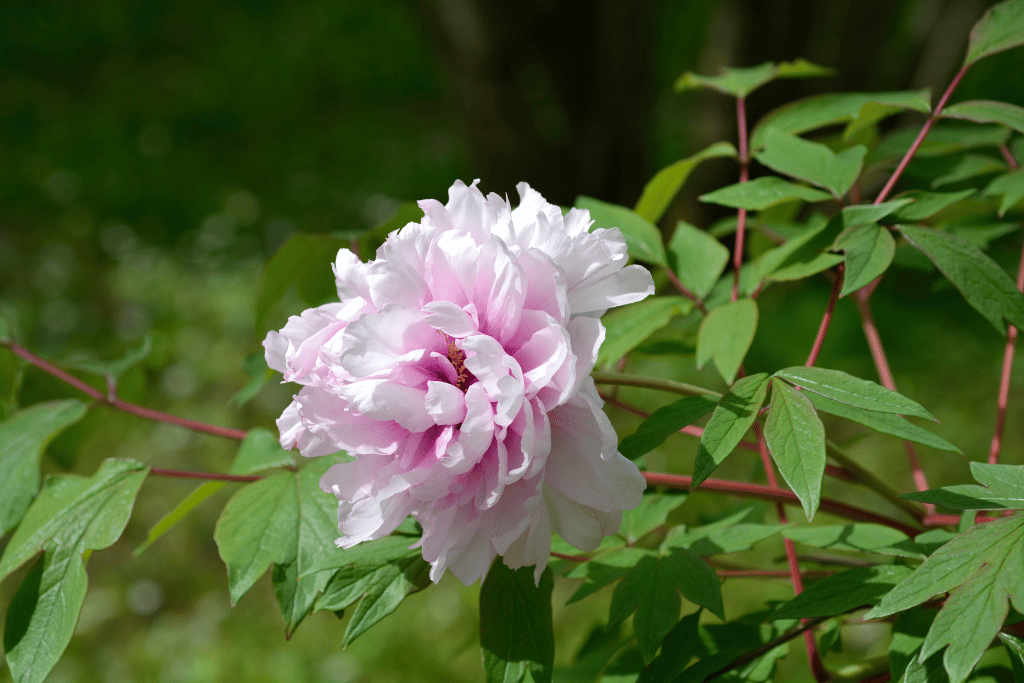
(152,156)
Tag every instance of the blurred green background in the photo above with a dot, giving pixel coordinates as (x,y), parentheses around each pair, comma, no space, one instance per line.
(152,157)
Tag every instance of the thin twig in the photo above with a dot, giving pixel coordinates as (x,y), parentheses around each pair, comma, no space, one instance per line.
(826,319)
(1008,351)
(869,479)
(920,137)
(672,386)
(114,402)
(741,215)
(748,657)
(210,476)
(760,492)
(686,292)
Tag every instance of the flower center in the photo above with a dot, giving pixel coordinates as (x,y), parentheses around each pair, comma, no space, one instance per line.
(458,360)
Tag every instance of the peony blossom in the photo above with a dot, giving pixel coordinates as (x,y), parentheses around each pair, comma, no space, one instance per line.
(456,371)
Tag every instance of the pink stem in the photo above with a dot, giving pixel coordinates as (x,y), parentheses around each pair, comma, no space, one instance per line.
(117,403)
(211,476)
(920,137)
(826,319)
(1011,342)
(768,573)
(686,292)
(741,215)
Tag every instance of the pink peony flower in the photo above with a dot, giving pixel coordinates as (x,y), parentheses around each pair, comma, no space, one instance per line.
(456,371)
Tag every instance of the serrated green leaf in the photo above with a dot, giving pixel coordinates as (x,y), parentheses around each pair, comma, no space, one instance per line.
(825,110)
(966,167)
(988,111)
(304,261)
(116,368)
(796,440)
(698,258)
(652,588)
(643,240)
(1009,186)
(71,516)
(649,515)
(908,633)
(1002,489)
(385,588)
(853,391)
(285,520)
(811,162)
(666,183)
(761,193)
(886,423)
(23,436)
(260,451)
(927,204)
(733,416)
(740,82)
(729,535)
(516,629)
(869,250)
(1001,28)
(628,326)
(180,511)
(663,423)
(864,538)
(984,284)
(725,336)
(365,554)
(843,592)
(1015,651)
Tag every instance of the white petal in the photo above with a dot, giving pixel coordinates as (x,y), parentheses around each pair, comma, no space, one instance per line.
(445,403)
(450,318)
(386,400)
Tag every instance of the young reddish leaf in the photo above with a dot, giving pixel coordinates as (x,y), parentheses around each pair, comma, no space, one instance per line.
(796,439)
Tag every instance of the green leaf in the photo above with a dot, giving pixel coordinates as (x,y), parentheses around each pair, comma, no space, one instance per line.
(984,284)
(642,239)
(943,140)
(516,629)
(968,166)
(801,269)
(735,413)
(180,511)
(255,366)
(116,368)
(1001,28)
(676,651)
(666,183)
(649,515)
(725,336)
(23,436)
(980,569)
(366,554)
(729,535)
(627,327)
(663,423)
(71,516)
(761,193)
(806,246)
(604,570)
(699,258)
(818,111)
(260,451)
(908,633)
(796,439)
(1010,187)
(886,423)
(980,234)
(285,520)
(988,111)
(742,81)
(304,261)
(1002,489)
(811,162)
(863,214)
(869,250)
(843,592)
(862,538)
(853,391)
(1015,651)
(652,588)
(927,204)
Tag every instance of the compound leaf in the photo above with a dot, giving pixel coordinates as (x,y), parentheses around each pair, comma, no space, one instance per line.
(733,416)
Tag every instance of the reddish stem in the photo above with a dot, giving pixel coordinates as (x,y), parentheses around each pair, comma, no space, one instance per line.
(114,402)
(826,319)
(570,558)
(769,573)
(211,476)
(686,292)
(1011,343)
(953,520)
(920,137)
(863,300)
(741,215)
